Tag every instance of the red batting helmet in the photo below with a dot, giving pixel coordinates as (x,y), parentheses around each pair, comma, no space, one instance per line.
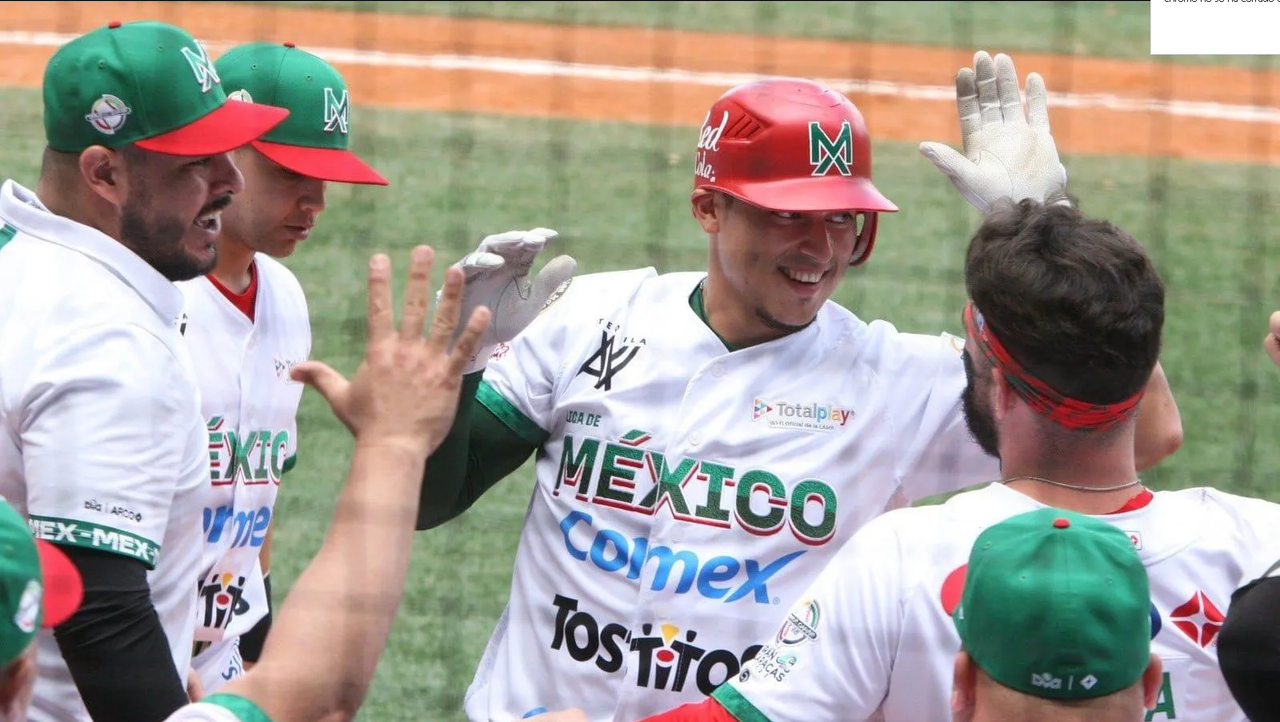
(791,145)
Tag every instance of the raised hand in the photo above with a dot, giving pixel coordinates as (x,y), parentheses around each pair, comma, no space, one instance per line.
(497,277)
(1008,153)
(405,392)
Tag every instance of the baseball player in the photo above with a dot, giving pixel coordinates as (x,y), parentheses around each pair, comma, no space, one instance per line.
(398,407)
(1063,327)
(247,324)
(706,440)
(1018,662)
(103,445)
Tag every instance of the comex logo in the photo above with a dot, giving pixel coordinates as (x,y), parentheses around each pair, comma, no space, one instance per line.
(721,577)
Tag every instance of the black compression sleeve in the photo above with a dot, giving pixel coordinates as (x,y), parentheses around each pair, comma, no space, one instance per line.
(114,646)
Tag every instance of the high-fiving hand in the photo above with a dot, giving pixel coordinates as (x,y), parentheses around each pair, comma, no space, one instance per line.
(1007,153)
(405,392)
(497,274)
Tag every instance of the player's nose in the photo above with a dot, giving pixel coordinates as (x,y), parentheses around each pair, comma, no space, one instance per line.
(226,176)
(817,242)
(312,199)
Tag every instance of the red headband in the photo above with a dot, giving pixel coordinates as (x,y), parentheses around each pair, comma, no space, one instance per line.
(1066,412)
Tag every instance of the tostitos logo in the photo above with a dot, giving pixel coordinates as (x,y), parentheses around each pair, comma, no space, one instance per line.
(108,114)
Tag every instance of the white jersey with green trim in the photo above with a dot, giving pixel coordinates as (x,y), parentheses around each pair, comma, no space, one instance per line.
(686,495)
(873,638)
(251,407)
(102,442)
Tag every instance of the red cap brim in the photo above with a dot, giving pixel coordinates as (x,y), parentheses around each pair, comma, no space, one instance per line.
(231,126)
(812,195)
(331,164)
(63,587)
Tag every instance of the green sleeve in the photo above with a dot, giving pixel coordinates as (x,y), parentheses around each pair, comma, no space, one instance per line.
(490,438)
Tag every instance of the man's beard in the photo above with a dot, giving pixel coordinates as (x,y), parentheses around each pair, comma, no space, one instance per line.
(979,419)
(158,240)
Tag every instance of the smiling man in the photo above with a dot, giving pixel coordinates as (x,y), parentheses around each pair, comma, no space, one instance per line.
(247,324)
(104,448)
(706,440)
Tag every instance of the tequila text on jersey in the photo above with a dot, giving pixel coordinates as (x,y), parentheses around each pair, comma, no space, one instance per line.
(254,457)
(666,657)
(624,475)
(614,354)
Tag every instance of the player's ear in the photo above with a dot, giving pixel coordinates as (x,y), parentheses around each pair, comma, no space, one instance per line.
(103,170)
(962,685)
(705,210)
(1152,681)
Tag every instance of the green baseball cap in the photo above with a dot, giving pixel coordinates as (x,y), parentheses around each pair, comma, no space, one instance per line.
(315,140)
(39,586)
(1056,605)
(146,83)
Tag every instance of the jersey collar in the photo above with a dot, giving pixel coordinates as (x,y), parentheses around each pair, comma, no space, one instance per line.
(21,208)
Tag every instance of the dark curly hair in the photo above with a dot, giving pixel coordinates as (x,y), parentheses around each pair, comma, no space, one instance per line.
(1074,299)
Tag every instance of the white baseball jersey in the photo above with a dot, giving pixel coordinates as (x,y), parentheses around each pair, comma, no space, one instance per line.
(223,708)
(874,635)
(251,407)
(685,494)
(102,442)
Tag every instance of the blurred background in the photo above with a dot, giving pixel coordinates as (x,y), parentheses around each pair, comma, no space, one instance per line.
(583,117)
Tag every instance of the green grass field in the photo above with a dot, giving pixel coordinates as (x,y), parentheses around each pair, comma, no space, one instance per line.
(618,195)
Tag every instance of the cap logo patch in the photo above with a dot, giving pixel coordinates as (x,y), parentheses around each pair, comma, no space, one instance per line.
(203,68)
(826,152)
(241,95)
(108,114)
(336,111)
(29,607)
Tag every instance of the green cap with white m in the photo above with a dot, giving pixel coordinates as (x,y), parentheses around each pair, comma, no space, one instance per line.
(146,83)
(1056,605)
(315,140)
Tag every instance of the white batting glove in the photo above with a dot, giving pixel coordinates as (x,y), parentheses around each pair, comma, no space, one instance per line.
(1007,153)
(497,276)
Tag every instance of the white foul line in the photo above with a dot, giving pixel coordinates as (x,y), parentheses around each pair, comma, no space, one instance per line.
(623,74)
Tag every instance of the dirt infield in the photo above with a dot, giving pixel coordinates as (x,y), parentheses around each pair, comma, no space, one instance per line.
(440,63)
